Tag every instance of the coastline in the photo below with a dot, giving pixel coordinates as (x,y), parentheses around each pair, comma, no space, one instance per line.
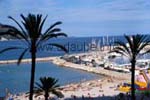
(97,88)
(100,71)
(63,63)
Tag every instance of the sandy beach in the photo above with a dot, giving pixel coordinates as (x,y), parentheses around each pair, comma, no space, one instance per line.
(99,89)
(94,89)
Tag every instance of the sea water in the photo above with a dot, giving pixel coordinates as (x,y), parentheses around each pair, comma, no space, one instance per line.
(16,78)
(73,44)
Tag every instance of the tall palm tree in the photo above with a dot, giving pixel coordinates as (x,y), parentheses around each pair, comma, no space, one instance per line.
(47,85)
(137,43)
(30,33)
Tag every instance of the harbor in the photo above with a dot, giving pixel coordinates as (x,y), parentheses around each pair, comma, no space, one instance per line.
(114,76)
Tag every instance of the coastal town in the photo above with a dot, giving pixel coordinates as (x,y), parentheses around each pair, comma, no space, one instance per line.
(115,69)
(74,50)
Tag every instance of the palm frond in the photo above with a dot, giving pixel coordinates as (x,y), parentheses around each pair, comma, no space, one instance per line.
(38,94)
(29,25)
(57,93)
(18,25)
(54,30)
(143,45)
(123,47)
(49,36)
(43,80)
(32,24)
(120,52)
(52,26)
(56,86)
(21,56)
(147,51)
(54,83)
(58,46)
(42,23)
(130,42)
(140,39)
(15,33)
(10,33)
(9,48)
(39,85)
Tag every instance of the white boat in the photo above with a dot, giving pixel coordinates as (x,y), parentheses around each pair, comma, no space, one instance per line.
(93,45)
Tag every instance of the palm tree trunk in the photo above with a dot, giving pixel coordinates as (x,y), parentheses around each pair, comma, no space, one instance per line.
(133,62)
(33,55)
(46,96)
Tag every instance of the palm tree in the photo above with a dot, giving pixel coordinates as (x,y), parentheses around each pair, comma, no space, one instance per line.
(30,33)
(137,43)
(47,85)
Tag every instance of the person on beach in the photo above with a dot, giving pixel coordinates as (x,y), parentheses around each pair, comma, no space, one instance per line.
(83,98)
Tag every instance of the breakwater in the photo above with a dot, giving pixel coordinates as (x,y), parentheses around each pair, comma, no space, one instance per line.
(27,60)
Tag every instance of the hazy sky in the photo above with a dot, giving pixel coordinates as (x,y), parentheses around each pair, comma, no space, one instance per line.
(85,17)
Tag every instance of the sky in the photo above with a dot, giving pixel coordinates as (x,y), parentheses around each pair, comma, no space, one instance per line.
(82,18)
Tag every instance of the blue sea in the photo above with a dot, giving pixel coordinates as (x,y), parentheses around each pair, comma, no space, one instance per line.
(16,78)
(73,44)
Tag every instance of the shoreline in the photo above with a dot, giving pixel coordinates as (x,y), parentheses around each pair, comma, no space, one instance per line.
(97,88)
(95,70)
(63,63)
